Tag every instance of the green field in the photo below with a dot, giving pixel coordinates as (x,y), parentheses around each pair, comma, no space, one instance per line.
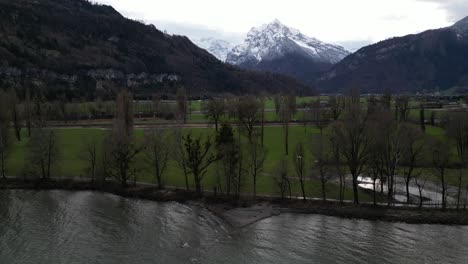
(71,165)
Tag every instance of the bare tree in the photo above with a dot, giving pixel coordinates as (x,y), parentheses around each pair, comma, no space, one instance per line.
(322,163)
(182,104)
(402,106)
(387,99)
(214,110)
(157,153)
(156,105)
(15,113)
(121,148)
(337,105)
(246,111)
(319,115)
(337,160)
(282,180)
(420,183)
(288,109)
(5,142)
(422,118)
(255,160)
(277,102)
(352,134)
(199,158)
(390,133)
(299,161)
(228,150)
(262,119)
(375,164)
(44,152)
(440,161)
(90,156)
(28,111)
(180,155)
(433,118)
(458,130)
(413,146)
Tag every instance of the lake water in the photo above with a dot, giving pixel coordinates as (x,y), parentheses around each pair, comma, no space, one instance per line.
(90,227)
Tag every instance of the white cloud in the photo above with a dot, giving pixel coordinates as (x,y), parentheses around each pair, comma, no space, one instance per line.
(456,9)
(338,21)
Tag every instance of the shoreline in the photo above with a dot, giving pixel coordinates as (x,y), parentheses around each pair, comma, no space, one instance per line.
(240,213)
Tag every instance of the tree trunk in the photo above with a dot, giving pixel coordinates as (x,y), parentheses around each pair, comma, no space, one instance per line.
(324,192)
(375,200)
(442,179)
(341,188)
(466,197)
(255,186)
(381,184)
(422,120)
(420,197)
(263,125)
(186,178)
(3,165)
(390,190)
(43,169)
(303,190)
(355,189)
(197,184)
(158,177)
(407,191)
(459,189)
(286,138)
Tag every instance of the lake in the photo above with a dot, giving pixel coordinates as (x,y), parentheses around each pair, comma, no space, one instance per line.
(92,227)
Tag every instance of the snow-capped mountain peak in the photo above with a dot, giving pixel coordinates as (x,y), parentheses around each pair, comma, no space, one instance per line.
(274,40)
(218,47)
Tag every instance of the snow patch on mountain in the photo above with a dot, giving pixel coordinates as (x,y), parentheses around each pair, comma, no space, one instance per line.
(275,40)
(217,47)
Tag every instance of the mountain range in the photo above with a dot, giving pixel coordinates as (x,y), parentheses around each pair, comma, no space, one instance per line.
(275,47)
(434,60)
(84,49)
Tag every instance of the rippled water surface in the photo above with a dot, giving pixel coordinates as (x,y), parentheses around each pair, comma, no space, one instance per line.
(88,227)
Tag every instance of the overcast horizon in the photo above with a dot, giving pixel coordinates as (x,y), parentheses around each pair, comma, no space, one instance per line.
(352,24)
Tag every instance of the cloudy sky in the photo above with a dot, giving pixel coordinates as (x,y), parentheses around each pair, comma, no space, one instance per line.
(349,23)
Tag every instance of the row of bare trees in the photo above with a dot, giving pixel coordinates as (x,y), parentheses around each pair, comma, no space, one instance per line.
(42,148)
(234,157)
(360,141)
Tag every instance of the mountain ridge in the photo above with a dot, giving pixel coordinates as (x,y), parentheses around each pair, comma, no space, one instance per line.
(429,61)
(83,49)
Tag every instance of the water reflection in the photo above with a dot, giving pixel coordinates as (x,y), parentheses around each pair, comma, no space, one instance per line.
(88,227)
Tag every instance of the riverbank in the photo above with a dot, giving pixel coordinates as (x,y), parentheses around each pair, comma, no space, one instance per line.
(239,213)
